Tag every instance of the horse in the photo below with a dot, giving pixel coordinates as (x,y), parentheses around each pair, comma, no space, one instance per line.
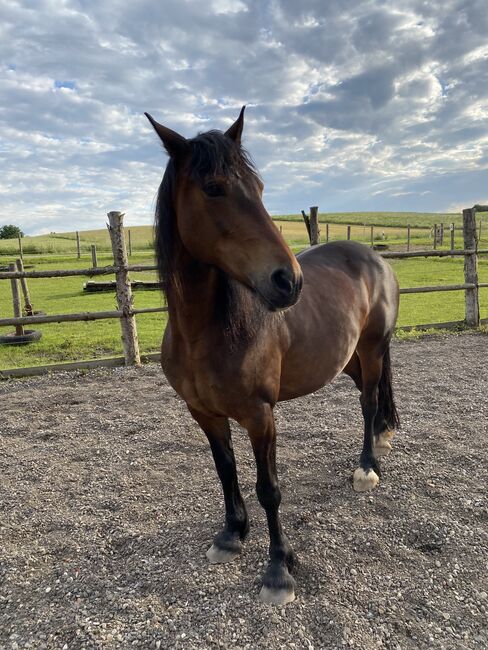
(249,325)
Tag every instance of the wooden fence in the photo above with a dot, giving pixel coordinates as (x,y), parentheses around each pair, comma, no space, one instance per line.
(126,313)
(378,237)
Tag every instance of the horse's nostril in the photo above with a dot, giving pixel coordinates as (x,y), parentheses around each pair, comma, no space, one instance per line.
(284,281)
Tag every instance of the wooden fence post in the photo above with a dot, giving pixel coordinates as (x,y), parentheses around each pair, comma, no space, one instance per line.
(441,234)
(435,236)
(452,237)
(25,289)
(94,256)
(326,232)
(21,252)
(306,220)
(19,329)
(348,233)
(408,237)
(472,307)
(78,247)
(130,243)
(124,293)
(314,226)
(372,236)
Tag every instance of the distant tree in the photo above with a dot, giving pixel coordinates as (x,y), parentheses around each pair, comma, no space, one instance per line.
(10,232)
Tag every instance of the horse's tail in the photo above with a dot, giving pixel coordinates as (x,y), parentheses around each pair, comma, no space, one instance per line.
(387,417)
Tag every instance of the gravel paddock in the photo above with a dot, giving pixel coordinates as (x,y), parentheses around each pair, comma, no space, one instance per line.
(109,500)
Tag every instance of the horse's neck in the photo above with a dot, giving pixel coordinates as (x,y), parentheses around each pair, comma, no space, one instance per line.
(212,305)
(192,301)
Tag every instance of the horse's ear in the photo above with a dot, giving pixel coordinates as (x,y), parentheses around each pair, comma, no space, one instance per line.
(174,143)
(235,131)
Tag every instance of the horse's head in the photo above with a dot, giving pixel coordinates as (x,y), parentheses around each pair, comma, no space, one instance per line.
(219,215)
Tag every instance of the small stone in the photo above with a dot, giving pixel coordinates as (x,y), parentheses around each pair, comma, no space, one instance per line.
(354,572)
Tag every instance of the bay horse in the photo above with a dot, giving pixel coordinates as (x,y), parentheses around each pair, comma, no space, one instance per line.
(250,324)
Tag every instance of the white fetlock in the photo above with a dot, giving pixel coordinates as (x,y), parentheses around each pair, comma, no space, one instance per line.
(381,448)
(276,596)
(365,481)
(382,444)
(217,555)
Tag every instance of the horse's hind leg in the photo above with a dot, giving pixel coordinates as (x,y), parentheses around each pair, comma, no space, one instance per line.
(367,475)
(227,544)
(386,419)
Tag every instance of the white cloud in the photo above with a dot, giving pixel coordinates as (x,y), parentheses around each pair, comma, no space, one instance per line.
(344,97)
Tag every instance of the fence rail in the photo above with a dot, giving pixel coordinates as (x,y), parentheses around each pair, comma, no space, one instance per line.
(102,270)
(126,313)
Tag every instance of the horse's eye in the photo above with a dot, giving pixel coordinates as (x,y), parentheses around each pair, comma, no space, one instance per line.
(214,189)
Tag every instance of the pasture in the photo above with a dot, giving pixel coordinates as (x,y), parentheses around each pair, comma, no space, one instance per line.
(392,224)
(116,501)
(74,341)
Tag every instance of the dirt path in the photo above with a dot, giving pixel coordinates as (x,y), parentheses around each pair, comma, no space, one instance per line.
(109,499)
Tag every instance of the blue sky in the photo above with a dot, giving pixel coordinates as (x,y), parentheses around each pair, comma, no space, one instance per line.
(351,105)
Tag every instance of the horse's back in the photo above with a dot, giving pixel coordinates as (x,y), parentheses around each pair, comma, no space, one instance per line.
(351,267)
(348,289)
(356,260)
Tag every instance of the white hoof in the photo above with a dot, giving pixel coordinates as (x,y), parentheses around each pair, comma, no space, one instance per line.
(217,555)
(363,482)
(276,596)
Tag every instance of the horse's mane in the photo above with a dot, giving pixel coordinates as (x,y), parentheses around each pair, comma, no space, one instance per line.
(212,154)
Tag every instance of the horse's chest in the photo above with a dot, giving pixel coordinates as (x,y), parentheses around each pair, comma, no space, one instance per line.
(222,384)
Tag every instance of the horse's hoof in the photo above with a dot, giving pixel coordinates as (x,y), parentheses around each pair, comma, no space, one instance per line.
(365,481)
(276,596)
(217,555)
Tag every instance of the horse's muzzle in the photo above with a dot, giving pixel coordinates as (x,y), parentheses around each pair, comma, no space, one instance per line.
(282,289)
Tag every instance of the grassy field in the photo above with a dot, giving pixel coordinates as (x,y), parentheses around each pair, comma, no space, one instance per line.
(390,227)
(385,219)
(73,341)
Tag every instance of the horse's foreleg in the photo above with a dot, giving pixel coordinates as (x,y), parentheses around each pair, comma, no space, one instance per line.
(367,475)
(227,544)
(278,584)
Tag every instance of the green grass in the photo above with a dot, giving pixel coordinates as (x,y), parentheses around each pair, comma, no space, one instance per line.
(387,219)
(80,340)
(65,243)
(438,307)
(393,224)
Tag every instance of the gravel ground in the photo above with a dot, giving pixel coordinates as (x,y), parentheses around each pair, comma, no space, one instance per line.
(109,500)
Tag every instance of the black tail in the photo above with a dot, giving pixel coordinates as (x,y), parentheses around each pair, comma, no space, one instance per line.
(387,416)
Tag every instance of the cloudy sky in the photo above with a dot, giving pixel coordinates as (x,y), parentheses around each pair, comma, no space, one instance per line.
(352,105)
